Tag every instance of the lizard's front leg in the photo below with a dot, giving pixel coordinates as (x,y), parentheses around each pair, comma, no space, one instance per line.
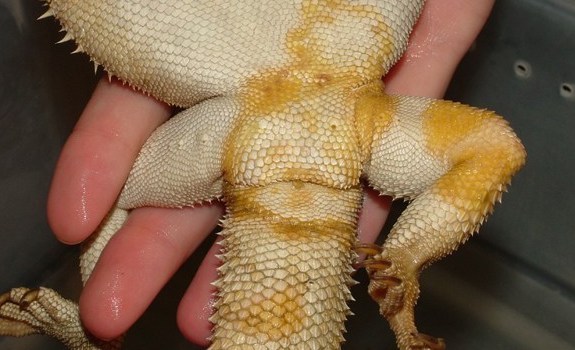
(453,162)
(178,166)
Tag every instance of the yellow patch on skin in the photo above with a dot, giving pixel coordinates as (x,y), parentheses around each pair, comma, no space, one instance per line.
(276,316)
(272,91)
(374,111)
(483,151)
(306,46)
(472,184)
(294,210)
(447,123)
(295,230)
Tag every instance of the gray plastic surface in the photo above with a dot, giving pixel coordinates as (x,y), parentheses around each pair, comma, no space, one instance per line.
(513,287)
(41,94)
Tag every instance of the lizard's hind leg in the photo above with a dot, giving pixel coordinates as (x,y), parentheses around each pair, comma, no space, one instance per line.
(453,161)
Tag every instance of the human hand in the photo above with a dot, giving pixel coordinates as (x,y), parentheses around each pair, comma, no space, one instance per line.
(99,153)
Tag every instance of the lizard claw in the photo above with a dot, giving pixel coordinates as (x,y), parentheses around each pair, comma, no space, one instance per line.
(373,266)
(386,286)
(369,249)
(382,278)
(28,297)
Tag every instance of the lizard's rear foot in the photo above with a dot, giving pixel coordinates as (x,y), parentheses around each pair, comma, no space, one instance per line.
(394,286)
(25,311)
(420,341)
(386,285)
(21,314)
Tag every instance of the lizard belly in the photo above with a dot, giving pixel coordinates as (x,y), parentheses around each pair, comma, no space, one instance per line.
(307,134)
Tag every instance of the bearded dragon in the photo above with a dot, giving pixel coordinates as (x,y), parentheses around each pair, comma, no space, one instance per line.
(284,117)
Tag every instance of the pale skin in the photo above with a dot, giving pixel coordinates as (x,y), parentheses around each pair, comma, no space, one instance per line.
(99,153)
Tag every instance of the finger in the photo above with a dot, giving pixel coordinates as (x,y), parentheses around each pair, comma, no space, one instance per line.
(443,34)
(197,303)
(372,216)
(138,261)
(98,156)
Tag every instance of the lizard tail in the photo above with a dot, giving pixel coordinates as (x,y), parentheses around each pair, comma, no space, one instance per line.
(285,278)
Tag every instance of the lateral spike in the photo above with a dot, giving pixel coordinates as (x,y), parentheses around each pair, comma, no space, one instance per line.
(48,13)
(67,37)
(96,65)
(79,49)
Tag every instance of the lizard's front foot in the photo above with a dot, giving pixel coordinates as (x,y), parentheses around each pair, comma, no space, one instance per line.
(394,286)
